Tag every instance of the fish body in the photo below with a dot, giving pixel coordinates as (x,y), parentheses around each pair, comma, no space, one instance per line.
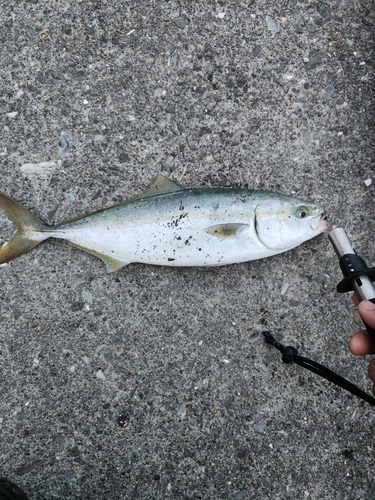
(169,225)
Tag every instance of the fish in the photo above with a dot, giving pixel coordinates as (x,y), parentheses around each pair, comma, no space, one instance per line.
(172,226)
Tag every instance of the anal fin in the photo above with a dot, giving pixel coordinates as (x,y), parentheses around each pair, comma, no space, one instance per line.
(111,263)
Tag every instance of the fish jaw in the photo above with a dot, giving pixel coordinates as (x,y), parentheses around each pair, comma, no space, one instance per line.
(320,223)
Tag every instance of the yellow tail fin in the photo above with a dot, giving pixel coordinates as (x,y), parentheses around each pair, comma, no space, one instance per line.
(30,230)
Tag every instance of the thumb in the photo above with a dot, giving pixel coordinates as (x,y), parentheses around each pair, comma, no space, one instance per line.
(367,311)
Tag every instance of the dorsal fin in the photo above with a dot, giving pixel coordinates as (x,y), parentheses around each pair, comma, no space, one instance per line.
(160,185)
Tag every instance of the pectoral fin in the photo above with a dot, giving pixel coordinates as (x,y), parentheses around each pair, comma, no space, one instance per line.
(224,231)
(111,263)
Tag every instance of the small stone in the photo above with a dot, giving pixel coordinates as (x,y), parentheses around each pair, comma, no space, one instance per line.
(284,19)
(366,22)
(306,137)
(180,23)
(12,115)
(87,296)
(314,60)
(100,375)
(260,426)
(69,475)
(323,10)
(265,482)
(368,182)
(221,15)
(204,131)
(123,419)
(64,143)
(258,30)
(99,138)
(70,197)
(253,126)
(77,306)
(209,159)
(240,495)
(74,451)
(42,169)
(329,91)
(294,302)
(256,51)
(35,363)
(271,24)
(171,108)
(197,92)
(123,157)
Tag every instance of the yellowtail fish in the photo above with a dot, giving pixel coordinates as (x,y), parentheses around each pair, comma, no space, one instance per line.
(171,226)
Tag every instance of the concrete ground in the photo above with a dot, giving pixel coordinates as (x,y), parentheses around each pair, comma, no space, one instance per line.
(155,382)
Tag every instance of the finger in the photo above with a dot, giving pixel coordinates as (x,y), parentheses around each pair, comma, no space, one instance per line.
(361,344)
(367,311)
(355,300)
(371,370)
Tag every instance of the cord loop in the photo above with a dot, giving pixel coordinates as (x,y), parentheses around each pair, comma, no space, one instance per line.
(290,354)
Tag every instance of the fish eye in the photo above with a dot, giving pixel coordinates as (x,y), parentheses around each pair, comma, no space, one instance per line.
(302,212)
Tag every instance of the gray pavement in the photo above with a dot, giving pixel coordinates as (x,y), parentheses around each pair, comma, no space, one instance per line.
(152,382)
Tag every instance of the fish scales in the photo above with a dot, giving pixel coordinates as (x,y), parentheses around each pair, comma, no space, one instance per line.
(169,225)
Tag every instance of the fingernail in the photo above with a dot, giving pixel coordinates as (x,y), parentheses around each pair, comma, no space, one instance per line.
(367,306)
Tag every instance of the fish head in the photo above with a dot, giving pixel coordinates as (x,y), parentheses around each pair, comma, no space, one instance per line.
(283,222)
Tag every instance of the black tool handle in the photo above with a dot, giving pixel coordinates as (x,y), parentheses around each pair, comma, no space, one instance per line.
(357,276)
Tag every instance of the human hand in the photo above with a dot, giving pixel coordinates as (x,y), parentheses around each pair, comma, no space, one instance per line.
(361,343)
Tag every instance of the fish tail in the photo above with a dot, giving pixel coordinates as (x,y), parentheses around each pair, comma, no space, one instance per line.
(30,231)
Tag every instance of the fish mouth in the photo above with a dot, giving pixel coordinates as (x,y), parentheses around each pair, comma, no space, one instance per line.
(320,223)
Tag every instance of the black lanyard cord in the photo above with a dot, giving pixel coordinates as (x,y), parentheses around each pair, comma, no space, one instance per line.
(290,355)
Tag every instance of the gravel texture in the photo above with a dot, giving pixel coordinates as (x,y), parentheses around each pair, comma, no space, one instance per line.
(155,382)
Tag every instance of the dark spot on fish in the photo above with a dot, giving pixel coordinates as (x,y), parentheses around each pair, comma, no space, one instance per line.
(177,237)
(169,258)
